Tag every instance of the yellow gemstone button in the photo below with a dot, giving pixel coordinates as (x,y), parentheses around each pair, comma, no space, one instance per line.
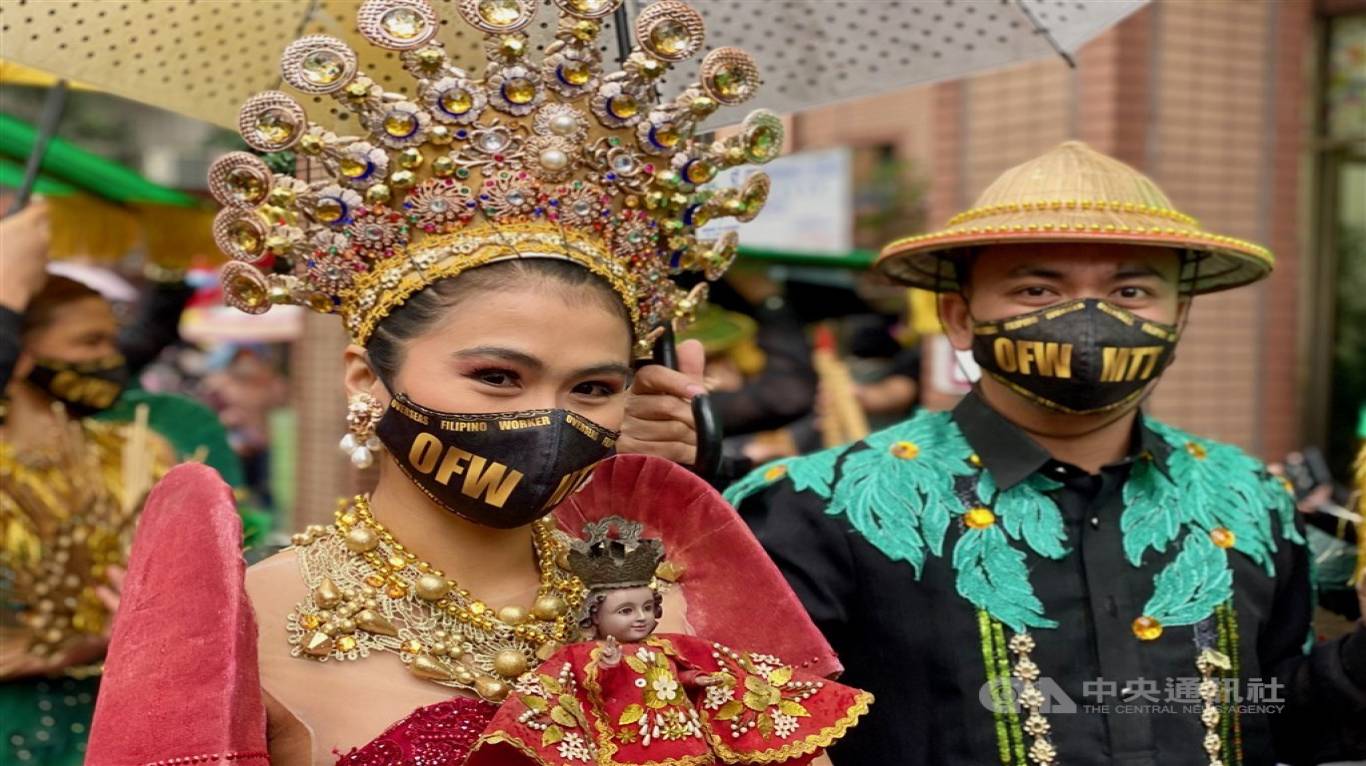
(1147,628)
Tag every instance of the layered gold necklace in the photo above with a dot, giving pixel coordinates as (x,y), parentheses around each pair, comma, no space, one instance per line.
(370,593)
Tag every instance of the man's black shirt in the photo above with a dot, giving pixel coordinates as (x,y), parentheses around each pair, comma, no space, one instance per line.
(916,643)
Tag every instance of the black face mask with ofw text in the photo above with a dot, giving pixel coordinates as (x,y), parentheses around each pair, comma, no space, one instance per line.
(83,388)
(500,470)
(1080,357)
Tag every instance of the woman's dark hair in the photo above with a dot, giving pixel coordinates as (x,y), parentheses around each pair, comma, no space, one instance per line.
(419,313)
(589,610)
(46,305)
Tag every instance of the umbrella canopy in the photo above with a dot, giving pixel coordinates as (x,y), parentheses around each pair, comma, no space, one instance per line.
(85,170)
(205,59)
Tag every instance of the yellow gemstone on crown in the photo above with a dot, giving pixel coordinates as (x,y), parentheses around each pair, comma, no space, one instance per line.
(979,518)
(731,82)
(443,166)
(275,126)
(440,135)
(457,101)
(512,46)
(346,643)
(329,210)
(1196,451)
(906,450)
(430,57)
(585,30)
(666,137)
(410,158)
(247,290)
(623,107)
(403,23)
(1146,628)
(775,473)
(703,106)
(246,185)
(353,168)
(245,236)
(764,143)
(669,38)
(400,124)
(322,67)
(588,6)
(378,194)
(651,68)
(519,91)
(500,13)
(699,172)
(575,72)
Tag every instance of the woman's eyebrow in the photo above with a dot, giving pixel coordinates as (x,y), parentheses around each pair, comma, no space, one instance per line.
(500,352)
(606,368)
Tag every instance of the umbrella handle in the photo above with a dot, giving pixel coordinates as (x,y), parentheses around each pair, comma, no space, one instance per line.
(53,106)
(705,422)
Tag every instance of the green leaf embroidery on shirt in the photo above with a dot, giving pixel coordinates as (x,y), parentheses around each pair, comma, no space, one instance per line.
(1189,588)
(993,576)
(1280,496)
(1212,485)
(899,492)
(812,473)
(1026,513)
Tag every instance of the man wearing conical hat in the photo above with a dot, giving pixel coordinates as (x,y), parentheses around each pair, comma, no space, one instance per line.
(1045,575)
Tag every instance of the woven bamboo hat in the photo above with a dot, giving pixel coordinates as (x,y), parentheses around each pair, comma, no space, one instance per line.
(1075,194)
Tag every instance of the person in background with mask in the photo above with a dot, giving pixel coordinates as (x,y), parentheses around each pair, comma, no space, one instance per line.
(1045,575)
(70,488)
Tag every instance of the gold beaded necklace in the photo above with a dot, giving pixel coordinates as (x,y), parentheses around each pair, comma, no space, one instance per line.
(370,593)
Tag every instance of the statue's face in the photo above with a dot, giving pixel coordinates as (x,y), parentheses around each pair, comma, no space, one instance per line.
(628,614)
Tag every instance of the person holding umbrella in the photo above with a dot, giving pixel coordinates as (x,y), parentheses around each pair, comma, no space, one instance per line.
(1046,575)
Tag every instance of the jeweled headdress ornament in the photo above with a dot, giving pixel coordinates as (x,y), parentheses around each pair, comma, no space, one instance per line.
(1073,193)
(614,555)
(549,159)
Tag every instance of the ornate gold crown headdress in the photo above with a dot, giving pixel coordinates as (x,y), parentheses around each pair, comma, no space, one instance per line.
(614,555)
(554,159)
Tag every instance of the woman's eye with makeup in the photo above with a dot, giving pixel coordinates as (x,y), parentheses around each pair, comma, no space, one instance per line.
(496,378)
(597,388)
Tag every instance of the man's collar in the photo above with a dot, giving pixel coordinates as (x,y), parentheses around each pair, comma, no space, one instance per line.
(1012,456)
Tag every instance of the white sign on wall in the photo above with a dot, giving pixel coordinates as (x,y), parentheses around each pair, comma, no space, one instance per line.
(809,209)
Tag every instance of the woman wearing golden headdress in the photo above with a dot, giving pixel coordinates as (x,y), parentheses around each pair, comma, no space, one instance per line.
(1105,588)
(499,246)
(69,491)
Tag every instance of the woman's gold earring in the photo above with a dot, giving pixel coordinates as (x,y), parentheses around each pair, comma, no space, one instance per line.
(361,443)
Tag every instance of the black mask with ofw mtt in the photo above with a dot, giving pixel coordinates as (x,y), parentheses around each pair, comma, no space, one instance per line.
(1079,357)
(83,388)
(500,470)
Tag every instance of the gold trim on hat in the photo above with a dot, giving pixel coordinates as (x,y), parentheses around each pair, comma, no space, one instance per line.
(1073,194)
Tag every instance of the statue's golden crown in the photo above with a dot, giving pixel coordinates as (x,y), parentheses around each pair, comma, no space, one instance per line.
(550,159)
(614,554)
